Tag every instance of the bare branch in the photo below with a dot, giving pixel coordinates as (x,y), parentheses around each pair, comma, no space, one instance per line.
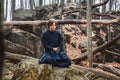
(99,4)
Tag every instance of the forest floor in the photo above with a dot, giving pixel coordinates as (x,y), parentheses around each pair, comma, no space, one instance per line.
(75,52)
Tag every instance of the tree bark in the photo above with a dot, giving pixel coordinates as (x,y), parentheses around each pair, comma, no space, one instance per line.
(13,7)
(89,33)
(6,14)
(43,22)
(109,68)
(31,4)
(1,39)
(16,57)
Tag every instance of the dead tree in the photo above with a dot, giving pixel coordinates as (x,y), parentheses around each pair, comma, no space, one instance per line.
(89,33)
(109,68)
(43,22)
(1,39)
(16,57)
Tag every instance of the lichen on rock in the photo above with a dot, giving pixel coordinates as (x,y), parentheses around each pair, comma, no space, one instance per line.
(32,70)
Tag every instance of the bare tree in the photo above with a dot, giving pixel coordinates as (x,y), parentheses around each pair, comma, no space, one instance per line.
(89,33)
(21,3)
(31,4)
(6,9)
(111,5)
(40,2)
(12,7)
(26,3)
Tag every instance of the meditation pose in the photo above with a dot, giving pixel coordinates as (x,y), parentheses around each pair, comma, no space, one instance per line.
(52,41)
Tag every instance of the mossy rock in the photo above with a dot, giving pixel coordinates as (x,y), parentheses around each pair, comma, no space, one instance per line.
(32,70)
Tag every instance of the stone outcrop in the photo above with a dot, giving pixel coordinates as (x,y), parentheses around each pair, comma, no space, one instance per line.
(30,69)
(23,43)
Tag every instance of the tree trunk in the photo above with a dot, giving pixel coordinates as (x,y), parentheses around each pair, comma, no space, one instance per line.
(31,4)
(40,2)
(13,7)
(111,4)
(1,38)
(6,9)
(89,33)
(21,4)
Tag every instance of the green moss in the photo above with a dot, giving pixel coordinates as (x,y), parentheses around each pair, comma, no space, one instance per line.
(45,73)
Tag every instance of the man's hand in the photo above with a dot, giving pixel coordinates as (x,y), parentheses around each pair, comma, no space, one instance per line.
(56,50)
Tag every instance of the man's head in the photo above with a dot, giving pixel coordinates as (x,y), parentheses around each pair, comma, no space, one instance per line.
(52,25)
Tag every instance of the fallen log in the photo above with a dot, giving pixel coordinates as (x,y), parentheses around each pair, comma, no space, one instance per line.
(113,53)
(73,21)
(99,49)
(101,73)
(109,68)
(16,57)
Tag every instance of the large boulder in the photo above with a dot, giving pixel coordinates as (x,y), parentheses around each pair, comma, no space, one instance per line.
(29,69)
(24,14)
(23,42)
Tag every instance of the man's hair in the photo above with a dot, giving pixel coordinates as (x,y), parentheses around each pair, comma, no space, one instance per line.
(50,23)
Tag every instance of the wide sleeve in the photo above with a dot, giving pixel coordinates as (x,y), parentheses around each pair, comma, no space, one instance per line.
(45,42)
(60,43)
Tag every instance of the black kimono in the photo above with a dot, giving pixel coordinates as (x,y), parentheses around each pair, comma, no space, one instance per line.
(52,40)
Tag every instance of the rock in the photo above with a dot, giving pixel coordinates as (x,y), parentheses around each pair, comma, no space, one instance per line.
(17,48)
(74,44)
(7,74)
(83,44)
(24,14)
(43,12)
(31,70)
(67,38)
(24,43)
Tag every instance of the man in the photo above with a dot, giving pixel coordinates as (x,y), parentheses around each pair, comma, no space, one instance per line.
(53,44)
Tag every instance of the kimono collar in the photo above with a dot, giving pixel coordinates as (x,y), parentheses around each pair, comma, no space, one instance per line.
(51,31)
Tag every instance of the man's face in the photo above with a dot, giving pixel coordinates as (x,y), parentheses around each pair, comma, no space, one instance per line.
(52,27)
